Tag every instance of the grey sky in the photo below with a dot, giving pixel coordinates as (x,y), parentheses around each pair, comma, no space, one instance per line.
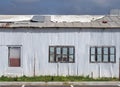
(73,7)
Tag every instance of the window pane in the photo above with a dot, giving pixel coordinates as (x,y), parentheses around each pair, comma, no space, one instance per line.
(112,50)
(14,52)
(51,58)
(64,58)
(99,50)
(64,51)
(102,54)
(61,53)
(71,58)
(58,58)
(92,50)
(51,50)
(93,58)
(112,58)
(105,58)
(71,50)
(14,56)
(58,50)
(105,50)
(99,58)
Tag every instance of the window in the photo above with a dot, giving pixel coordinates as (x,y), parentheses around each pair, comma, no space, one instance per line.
(14,56)
(102,54)
(62,54)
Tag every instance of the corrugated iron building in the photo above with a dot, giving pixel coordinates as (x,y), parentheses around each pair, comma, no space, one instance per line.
(76,45)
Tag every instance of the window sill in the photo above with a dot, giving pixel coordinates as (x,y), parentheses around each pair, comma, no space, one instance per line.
(61,62)
(102,62)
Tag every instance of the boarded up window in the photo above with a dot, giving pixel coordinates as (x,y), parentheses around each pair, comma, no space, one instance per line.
(14,54)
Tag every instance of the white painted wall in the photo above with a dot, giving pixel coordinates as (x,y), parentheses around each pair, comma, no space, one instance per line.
(35,44)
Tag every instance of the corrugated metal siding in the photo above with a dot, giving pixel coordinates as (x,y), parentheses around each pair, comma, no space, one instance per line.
(35,44)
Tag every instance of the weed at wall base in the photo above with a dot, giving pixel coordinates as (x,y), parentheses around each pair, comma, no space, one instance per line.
(56,78)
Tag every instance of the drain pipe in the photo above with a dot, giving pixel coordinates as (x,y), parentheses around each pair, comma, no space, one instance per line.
(119,69)
(57,68)
(34,66)
(99,70)
(68,68)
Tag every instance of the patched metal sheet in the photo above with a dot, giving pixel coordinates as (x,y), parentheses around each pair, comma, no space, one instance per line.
(38,18)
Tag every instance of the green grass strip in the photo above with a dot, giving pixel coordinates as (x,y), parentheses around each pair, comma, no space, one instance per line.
(56,78)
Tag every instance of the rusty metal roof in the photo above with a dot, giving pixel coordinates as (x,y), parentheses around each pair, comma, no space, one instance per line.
(107,21)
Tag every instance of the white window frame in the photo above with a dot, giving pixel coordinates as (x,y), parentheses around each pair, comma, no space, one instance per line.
(20,46)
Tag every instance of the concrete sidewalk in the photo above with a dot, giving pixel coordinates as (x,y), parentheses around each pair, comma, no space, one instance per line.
(63,83)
